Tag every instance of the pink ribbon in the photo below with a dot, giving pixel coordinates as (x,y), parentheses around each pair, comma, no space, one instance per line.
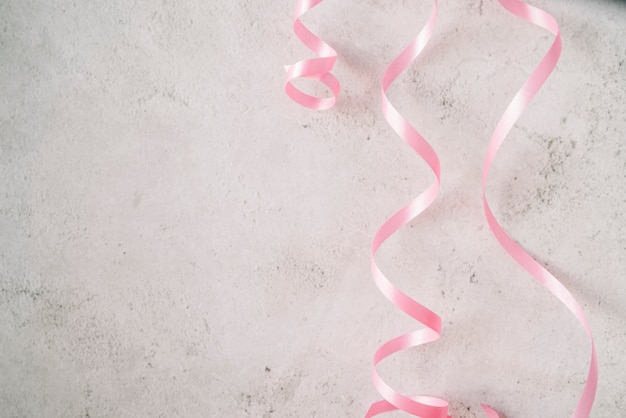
(314,68)
(423,406)
(319,69)
(508,119)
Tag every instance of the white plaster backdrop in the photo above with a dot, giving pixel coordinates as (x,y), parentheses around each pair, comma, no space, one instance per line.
(179,239)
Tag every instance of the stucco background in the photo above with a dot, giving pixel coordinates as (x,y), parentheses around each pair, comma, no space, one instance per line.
(179,239)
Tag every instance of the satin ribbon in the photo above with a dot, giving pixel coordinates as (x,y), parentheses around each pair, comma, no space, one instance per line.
(422,406)
(314,68)
(509,117)
(428,406)
(319,69)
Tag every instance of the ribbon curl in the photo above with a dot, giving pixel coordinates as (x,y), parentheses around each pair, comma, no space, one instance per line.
(428,406)
(314,68)
(422,406)
(320,69)
(505,124)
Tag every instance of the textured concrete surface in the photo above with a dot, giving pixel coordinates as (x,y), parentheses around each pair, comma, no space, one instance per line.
(178,239)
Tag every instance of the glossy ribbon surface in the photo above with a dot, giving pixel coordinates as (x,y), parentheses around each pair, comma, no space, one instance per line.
(508,119)
(422,406)
(314,68)
(319,69)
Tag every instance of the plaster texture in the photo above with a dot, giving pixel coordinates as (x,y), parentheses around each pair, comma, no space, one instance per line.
(179,239)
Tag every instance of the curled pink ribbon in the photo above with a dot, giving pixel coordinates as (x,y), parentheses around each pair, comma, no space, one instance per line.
(505,124)
(422,406)
(428,406)
(314,68)
(319,69)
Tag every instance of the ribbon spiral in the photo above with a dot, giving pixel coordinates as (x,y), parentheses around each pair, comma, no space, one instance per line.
(505,124)
(313,68)
(423,406)
(320,69)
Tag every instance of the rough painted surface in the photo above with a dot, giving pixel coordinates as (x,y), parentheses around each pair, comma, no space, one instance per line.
(178,239)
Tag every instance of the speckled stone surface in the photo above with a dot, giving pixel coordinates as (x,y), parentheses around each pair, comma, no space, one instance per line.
(179,239)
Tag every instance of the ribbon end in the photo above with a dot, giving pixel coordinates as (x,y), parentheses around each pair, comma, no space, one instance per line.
(490,412)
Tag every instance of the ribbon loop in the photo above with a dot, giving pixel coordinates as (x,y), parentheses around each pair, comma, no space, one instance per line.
(317,69)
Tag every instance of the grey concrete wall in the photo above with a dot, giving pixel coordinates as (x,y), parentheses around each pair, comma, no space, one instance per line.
(179,239)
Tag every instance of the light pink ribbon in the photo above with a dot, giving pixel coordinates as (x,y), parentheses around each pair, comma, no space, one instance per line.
(319,69)
(508,119)
(313,68)
(428,406)
(422,406)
